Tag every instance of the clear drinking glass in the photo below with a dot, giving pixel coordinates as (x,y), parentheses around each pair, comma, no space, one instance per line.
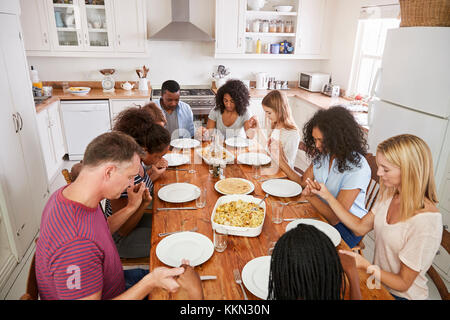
(256,171)
(65,86)
(200,202)
(220,239)
(277,212)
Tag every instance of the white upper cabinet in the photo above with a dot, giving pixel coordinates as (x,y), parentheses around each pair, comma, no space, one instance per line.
(230,16)
(301,33)
(130,25)
(84,27)
(35,31)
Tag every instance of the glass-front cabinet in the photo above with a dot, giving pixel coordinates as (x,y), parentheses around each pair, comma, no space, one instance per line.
(81,24)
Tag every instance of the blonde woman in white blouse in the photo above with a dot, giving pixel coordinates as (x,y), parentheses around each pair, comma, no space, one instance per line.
(405,219)
(282,125)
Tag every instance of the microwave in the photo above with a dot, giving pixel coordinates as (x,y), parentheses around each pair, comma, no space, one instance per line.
(313,81)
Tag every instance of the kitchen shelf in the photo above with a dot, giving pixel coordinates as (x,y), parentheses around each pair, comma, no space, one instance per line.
(97,30)
(270,13)
(68,29)
(63,5)
(270,34)
(95,6)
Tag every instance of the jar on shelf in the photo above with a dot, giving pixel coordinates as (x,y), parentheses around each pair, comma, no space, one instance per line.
(288,28)
(248,45)
(273,26)
(265,26)
(280,26)
(255,25)
(247,26)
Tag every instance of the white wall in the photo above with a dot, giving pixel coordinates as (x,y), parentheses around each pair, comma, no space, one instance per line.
(190,63)
(343,41)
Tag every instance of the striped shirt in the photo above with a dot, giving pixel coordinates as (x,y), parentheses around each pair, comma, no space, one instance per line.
(75,254)
(137,179)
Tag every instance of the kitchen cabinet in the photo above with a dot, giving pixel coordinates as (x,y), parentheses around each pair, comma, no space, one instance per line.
(35,30)
(22,170)
(307,27)
(84,28)
(118,105)
(79,25)
(52,138)
(230,16)
(130,26)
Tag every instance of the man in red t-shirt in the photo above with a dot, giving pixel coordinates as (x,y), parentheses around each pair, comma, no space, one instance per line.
(76,257)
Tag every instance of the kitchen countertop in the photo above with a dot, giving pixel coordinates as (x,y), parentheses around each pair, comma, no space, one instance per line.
(94,94)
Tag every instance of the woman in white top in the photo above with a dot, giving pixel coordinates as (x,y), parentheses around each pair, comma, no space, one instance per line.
(405,219)
(282,125)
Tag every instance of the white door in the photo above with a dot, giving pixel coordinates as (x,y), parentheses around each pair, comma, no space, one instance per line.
(129,25)
(230,15)
(387,120)
(415,69)
(56,132)
(33,17)
(13,173)
(97,25)
(310,26)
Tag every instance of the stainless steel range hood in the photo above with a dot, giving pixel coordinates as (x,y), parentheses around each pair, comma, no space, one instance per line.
(181,29)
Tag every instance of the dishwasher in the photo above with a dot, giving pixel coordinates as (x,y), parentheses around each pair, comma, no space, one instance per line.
(84,120)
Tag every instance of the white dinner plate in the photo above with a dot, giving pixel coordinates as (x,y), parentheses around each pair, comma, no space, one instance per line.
(255,276)
(193,246)
(179,192)
(281,188)
(238,142)
(329,230)
(252,158)
(176,159)
(184,143)
(252,186)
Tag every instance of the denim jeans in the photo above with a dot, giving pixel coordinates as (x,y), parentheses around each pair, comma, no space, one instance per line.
(347,235)
(133,276)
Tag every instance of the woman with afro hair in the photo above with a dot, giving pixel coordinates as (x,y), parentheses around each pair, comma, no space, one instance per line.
(231,116)
(337,147)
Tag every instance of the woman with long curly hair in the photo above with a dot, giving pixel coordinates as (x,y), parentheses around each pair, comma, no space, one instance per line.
(336,144)
(231,116)
(406,222)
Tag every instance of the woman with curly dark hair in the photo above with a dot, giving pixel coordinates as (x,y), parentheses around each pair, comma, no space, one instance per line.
(336,144)
(231,115)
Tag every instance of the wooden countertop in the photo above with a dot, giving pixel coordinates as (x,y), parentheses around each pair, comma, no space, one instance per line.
(96,93)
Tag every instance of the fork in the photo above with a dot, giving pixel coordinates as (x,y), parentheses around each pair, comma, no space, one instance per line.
(238,280)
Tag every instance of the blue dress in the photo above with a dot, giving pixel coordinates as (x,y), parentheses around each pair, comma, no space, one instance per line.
(335,181)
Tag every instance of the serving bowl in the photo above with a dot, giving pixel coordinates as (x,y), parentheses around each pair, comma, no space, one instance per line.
(79,91)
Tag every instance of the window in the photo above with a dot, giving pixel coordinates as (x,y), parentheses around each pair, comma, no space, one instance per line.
(369,48)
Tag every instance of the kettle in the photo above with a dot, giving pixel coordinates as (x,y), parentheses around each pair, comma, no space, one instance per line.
(261,80)
(127,86)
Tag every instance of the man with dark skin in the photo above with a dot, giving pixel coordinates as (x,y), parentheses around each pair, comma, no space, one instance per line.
(179,116)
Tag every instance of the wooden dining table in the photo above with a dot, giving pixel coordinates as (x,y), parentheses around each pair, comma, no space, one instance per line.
(240,250)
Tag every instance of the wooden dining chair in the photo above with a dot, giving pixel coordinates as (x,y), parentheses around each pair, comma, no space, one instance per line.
(373,189)
(434,275)
(70,177)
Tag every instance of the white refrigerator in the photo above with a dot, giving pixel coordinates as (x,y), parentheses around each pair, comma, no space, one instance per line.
(412,94)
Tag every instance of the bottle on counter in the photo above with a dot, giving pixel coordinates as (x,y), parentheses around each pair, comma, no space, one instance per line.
(36,83)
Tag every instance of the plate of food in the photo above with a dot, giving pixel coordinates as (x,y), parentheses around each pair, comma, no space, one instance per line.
(207,154)
(234,186)
(79,91)
(239,214)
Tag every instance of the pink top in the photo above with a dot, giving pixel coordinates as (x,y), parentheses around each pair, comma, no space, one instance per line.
(413,242)
(75,254)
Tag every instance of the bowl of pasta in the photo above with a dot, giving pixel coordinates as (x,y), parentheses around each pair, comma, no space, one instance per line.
(239,215)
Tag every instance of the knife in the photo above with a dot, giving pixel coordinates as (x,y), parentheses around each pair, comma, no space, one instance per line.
(176,169)
(208,278)
(177,208)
